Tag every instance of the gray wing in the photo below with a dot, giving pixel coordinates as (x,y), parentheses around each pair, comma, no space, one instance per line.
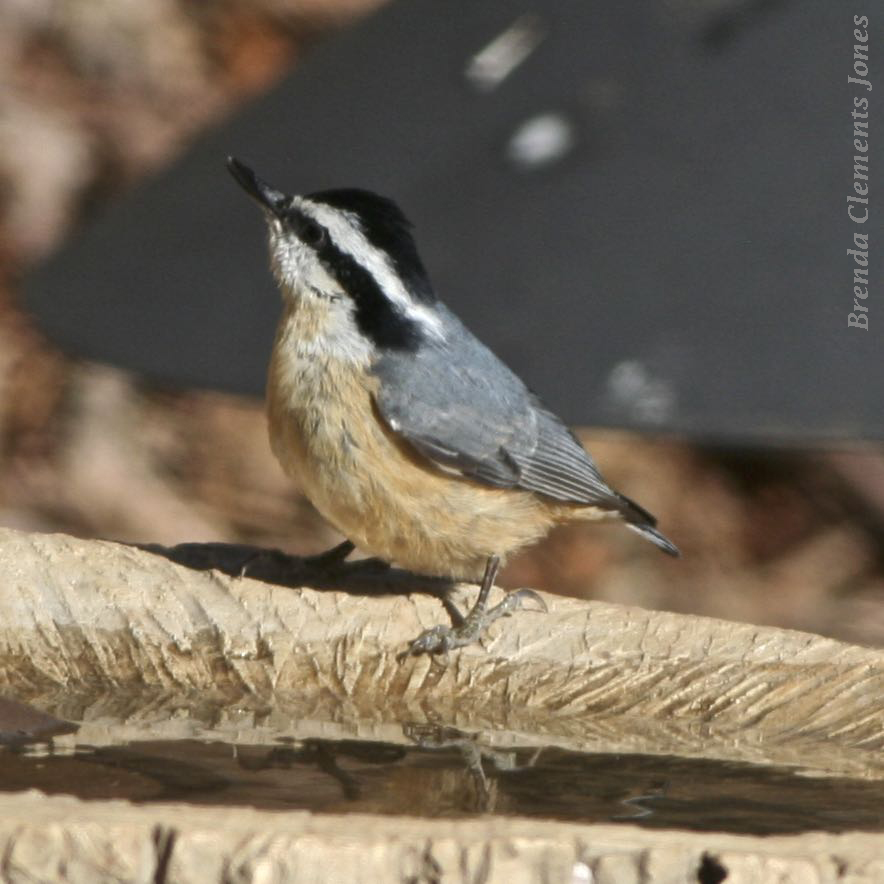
(462,408)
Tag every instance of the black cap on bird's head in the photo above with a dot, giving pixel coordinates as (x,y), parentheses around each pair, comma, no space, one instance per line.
(387,229)
(381,221)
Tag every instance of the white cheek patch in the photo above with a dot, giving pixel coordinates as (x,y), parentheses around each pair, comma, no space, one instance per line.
(295,265)
(343,228)
(301,275)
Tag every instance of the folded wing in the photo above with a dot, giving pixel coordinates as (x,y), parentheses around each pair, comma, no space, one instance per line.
(462,408)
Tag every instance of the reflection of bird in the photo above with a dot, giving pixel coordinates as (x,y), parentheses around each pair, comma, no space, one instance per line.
(408,434)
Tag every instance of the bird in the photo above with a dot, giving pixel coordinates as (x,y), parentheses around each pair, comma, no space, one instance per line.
(405,431)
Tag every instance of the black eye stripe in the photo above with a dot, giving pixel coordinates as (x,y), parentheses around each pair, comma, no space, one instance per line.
(375,316)
(313,233)
(308,230)
(387,229)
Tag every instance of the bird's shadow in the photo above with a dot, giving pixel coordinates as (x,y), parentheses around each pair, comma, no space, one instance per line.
(366,577)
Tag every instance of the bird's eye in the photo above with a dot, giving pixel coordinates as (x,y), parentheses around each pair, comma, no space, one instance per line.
(312,233)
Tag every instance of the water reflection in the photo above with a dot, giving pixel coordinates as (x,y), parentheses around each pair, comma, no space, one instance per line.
(21,724)
(443,772)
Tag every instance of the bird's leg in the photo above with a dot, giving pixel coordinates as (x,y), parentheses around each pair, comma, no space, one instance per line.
(475,621)
(322,561)
(442,639)
(333,556)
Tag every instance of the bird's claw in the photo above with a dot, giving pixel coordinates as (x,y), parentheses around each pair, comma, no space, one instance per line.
(438,640)
(442,639)
(513,602)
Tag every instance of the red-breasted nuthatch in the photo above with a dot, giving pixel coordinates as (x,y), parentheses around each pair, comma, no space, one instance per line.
(405,431)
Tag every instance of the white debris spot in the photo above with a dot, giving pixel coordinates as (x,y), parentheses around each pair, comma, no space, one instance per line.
(541,140)
(632,389)
(581,873)
(490,66)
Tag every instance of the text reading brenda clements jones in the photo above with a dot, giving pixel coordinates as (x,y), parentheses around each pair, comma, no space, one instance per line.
(858,202)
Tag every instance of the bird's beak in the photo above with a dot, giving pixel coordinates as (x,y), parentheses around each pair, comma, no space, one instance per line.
(267,196)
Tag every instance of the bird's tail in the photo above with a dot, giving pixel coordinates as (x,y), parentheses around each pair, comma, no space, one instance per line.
(642,522)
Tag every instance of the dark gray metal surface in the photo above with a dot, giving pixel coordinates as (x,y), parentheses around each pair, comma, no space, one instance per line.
(678,263)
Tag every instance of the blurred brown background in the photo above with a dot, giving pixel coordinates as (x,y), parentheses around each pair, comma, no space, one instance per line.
(94,96)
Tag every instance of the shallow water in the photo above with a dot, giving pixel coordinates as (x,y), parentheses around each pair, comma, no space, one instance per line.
(441,772)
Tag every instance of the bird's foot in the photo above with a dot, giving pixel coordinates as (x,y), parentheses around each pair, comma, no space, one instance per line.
(442,639)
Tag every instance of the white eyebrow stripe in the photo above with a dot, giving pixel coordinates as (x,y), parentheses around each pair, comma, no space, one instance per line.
(343,228)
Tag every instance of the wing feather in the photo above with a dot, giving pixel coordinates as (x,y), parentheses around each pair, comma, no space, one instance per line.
(462,408)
